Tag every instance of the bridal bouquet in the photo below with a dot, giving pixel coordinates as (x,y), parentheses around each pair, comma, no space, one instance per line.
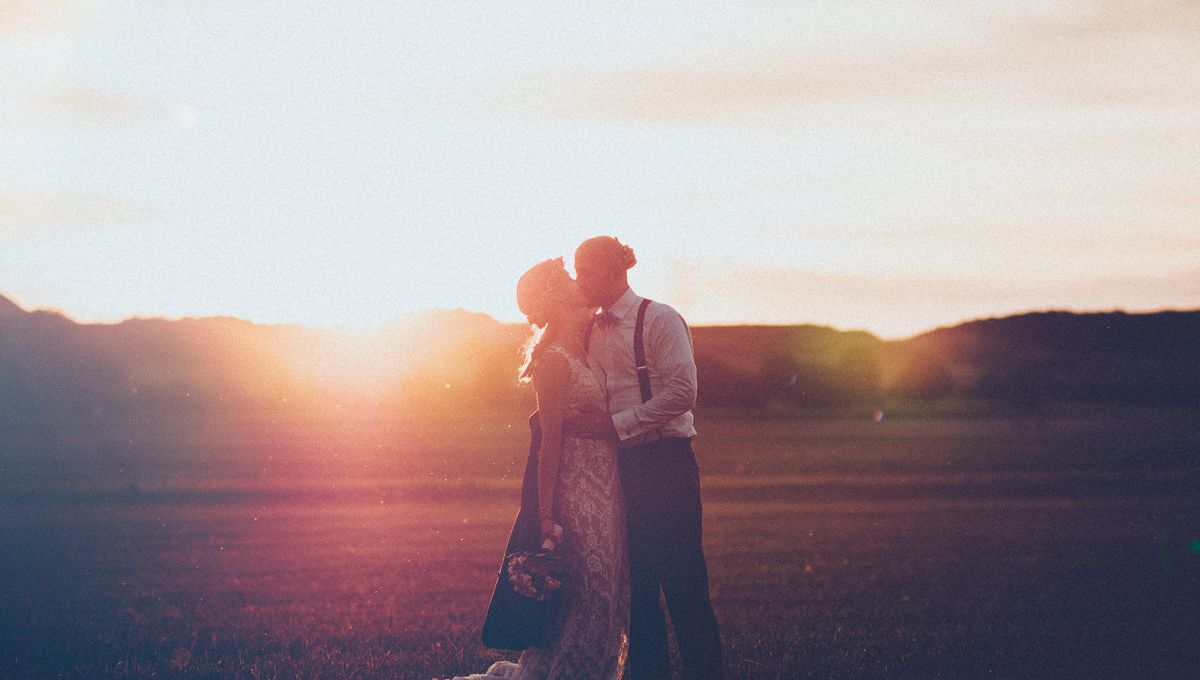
(536,574)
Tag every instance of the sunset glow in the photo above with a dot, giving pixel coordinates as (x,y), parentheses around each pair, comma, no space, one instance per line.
(885,168)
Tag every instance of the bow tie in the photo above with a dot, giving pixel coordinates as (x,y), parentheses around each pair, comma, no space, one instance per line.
(606,320)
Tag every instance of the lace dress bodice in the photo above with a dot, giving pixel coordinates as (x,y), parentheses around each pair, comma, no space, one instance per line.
(583,400)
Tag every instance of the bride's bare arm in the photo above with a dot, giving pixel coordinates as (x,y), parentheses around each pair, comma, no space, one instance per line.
(550,381)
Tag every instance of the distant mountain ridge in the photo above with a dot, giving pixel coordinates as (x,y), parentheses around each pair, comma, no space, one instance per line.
(73,387)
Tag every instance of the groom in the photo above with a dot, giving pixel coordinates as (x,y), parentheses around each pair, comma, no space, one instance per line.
(652,416)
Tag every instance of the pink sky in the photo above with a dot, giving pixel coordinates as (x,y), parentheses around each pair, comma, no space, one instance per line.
(888,167)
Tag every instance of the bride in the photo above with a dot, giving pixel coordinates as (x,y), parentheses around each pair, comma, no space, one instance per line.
(578,490)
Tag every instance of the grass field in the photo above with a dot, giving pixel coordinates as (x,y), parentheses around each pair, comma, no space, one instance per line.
(1060,547)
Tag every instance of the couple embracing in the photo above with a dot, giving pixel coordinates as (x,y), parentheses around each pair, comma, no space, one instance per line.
(617,486)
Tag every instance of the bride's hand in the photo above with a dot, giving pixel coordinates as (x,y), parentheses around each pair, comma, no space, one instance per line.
(551,531)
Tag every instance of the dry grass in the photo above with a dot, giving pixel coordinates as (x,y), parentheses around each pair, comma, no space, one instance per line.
(828,560)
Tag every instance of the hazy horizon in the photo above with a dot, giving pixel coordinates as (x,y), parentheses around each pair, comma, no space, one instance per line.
(416,312)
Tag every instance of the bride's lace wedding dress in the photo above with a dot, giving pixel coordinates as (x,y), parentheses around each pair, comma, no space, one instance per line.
(586,636)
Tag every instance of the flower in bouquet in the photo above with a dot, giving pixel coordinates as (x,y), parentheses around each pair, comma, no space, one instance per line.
(537,574)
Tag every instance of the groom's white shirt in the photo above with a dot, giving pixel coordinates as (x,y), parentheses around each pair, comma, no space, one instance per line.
(672,367)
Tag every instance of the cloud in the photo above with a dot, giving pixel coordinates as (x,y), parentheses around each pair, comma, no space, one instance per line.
(693,94)
(1099,21)
(34,211)
(69,105)
(35,18)
(1137,54)
(1094,54)
(87,104)
(78,104)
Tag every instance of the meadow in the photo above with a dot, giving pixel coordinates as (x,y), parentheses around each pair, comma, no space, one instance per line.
(1065,545)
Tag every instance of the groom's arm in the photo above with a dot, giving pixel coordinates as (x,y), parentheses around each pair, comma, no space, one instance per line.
(669,353)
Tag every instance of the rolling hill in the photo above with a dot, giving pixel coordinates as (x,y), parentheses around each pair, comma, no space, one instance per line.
(147,385)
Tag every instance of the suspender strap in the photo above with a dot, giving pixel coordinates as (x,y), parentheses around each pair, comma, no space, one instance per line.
(639,351)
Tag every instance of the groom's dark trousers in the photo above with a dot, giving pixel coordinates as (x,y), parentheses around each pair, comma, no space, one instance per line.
(661,484)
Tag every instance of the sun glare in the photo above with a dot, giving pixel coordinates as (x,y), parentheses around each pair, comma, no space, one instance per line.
(350,357)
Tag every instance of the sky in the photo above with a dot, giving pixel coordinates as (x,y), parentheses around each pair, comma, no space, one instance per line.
(887,166)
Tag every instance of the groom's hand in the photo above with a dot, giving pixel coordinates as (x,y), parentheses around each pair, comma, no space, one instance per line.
(596,423)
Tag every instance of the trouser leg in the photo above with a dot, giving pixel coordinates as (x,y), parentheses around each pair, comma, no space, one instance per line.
(648,654)
(684,574)
(665,528)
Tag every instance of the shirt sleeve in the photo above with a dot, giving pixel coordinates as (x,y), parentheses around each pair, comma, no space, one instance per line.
(669,354)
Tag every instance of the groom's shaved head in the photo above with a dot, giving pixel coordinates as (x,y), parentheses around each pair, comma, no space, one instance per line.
(600,265)
(601,251)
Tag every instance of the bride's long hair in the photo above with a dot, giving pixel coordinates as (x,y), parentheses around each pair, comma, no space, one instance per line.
(539,291)
(532,351)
